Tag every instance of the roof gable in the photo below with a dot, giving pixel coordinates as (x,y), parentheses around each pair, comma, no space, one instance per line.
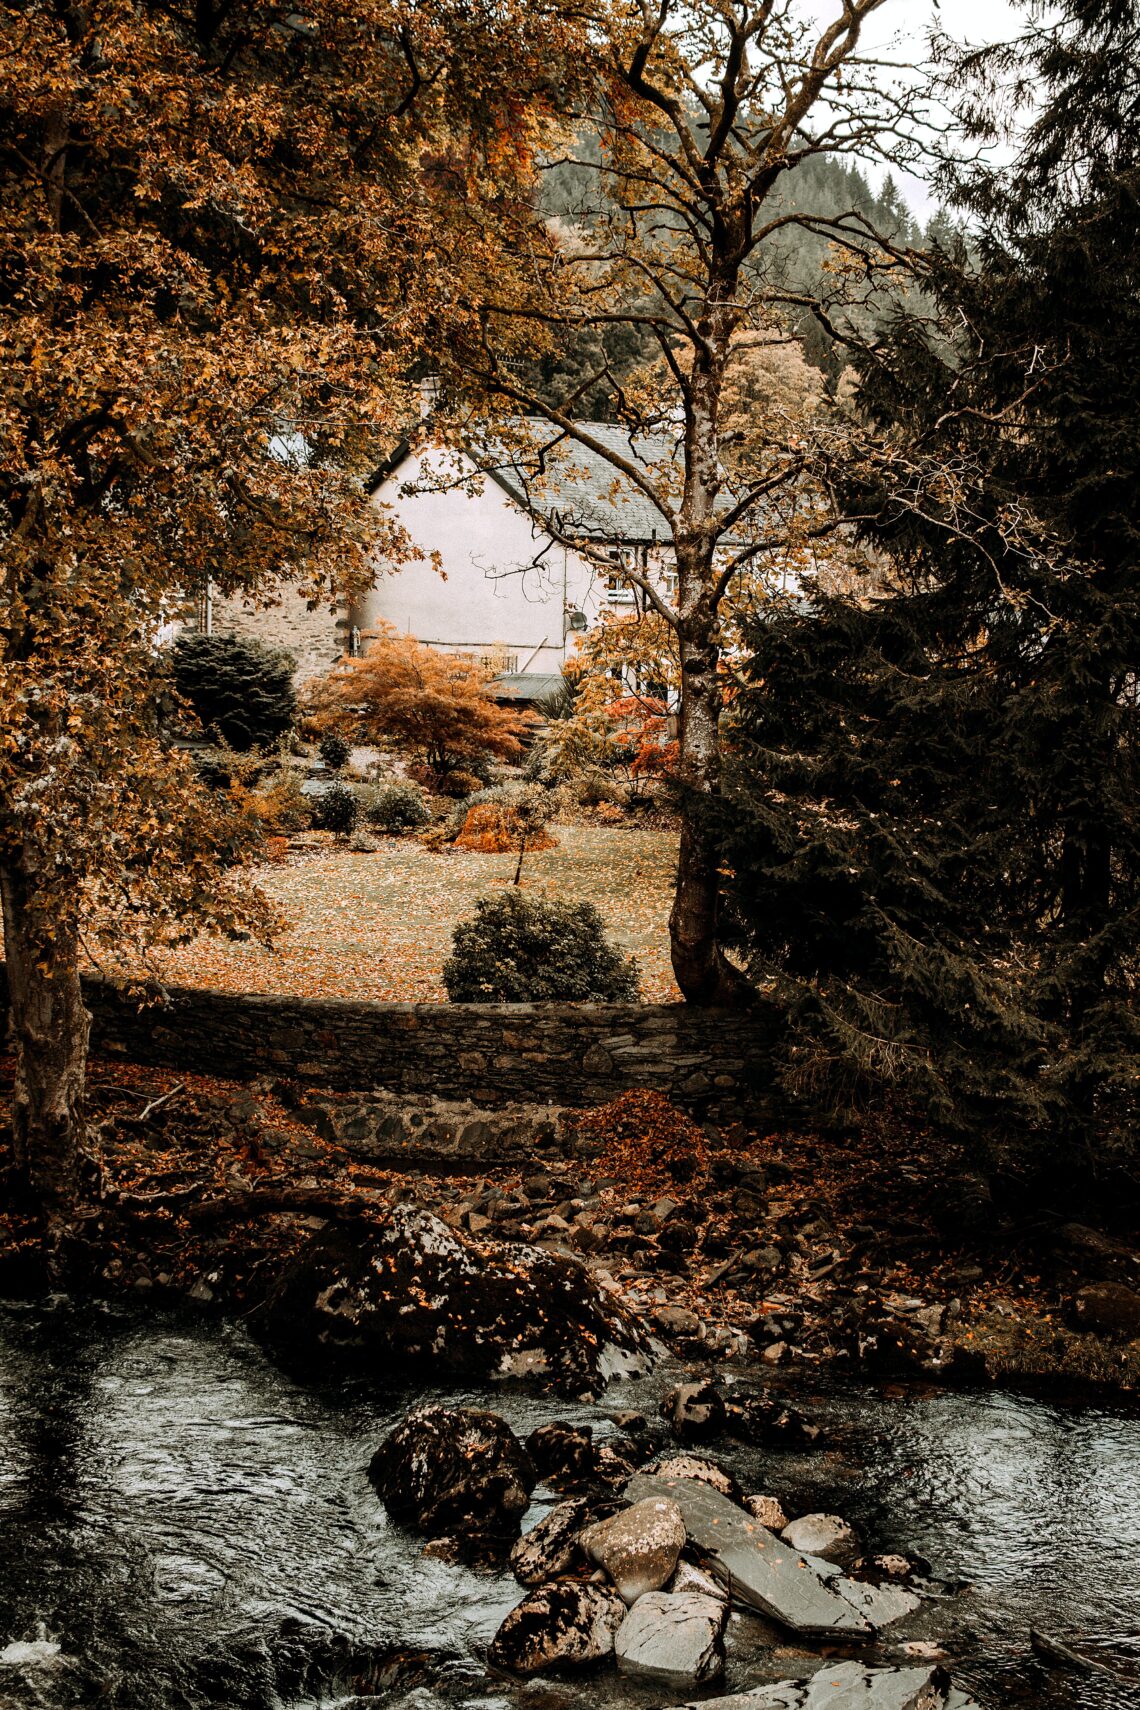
(569,486)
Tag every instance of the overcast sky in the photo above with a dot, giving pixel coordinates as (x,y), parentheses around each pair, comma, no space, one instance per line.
(900,30)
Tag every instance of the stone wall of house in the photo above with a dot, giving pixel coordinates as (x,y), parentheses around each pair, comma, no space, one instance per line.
(314,638)
(714,1063)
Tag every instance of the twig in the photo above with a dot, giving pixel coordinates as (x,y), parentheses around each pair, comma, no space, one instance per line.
(157,1103)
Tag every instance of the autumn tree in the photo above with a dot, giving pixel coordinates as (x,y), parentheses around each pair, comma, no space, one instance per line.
(225,231)
(703,109)
(437,707)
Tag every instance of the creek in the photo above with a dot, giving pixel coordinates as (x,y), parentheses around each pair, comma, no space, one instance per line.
(184,1527)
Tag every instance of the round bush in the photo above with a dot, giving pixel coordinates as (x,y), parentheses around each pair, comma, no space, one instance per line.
(336,809)
(241,690)
(333,750)
(516,949)
(459,784)
(400,807)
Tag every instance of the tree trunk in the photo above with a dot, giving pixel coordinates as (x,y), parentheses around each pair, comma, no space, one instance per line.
(702,971)
(50,1029)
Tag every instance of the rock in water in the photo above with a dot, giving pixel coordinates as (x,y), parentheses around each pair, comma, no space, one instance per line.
(561,1451)
(549,1550)
(823,1535)
(696,1466)
(673,1636)
(451,1471)
(695,1411)
(759,1569)
(639,1548)
(567,1623)
(410,1292)
(767,1510)
(847,1686)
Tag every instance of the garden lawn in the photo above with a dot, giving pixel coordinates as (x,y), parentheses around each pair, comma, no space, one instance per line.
(378,927)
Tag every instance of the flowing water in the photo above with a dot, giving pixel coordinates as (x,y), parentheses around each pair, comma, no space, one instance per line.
(183,1526)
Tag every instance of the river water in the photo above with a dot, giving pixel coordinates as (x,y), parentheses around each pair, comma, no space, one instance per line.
(183,1527)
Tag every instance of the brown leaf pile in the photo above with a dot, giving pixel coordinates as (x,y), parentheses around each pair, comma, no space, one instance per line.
(645,1142)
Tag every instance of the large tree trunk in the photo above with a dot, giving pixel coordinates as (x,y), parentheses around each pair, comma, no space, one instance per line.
(50,1028)
(702,971)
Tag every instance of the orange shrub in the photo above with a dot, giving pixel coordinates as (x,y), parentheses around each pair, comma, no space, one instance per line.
(492,829)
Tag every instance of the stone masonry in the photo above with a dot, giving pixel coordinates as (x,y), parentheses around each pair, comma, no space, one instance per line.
(714,1063)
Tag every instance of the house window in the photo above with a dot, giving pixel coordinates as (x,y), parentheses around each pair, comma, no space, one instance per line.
(619,591)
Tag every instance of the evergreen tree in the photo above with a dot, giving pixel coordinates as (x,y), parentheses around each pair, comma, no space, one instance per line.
(241,690)
(933,830)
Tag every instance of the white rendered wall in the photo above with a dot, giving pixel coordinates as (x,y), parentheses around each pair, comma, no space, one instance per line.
(504,582)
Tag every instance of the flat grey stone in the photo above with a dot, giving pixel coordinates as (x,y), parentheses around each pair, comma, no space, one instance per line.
(847,1686)
(672,1636)
(881,1604)
(756,1566)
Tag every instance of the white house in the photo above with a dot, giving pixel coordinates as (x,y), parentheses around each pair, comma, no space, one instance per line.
(509,565)
(512,563)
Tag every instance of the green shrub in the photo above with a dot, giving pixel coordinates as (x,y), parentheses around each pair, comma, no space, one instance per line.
(333,750)
(516,949)
(242,691)
(336,809)
(400,807)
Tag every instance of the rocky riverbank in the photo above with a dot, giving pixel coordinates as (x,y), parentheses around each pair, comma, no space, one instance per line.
(643,1556)
(614,1232)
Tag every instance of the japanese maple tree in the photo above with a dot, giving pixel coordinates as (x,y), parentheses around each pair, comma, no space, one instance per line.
(437,707)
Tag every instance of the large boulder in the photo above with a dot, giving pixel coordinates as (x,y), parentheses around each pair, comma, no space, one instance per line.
(640,1547)
(454,1472)
(1109,1308)
(405,1291)
(550,1549)
(565,1624)
(673,1636)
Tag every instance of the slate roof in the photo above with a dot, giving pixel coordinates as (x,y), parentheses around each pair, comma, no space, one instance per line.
(583,491)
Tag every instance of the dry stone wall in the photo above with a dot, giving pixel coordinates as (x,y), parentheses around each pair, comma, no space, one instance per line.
(712,1062)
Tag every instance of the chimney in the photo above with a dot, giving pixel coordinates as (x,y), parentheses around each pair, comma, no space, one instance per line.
(429,395)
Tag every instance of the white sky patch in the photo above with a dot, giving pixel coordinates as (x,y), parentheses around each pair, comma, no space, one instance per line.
(900,31)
